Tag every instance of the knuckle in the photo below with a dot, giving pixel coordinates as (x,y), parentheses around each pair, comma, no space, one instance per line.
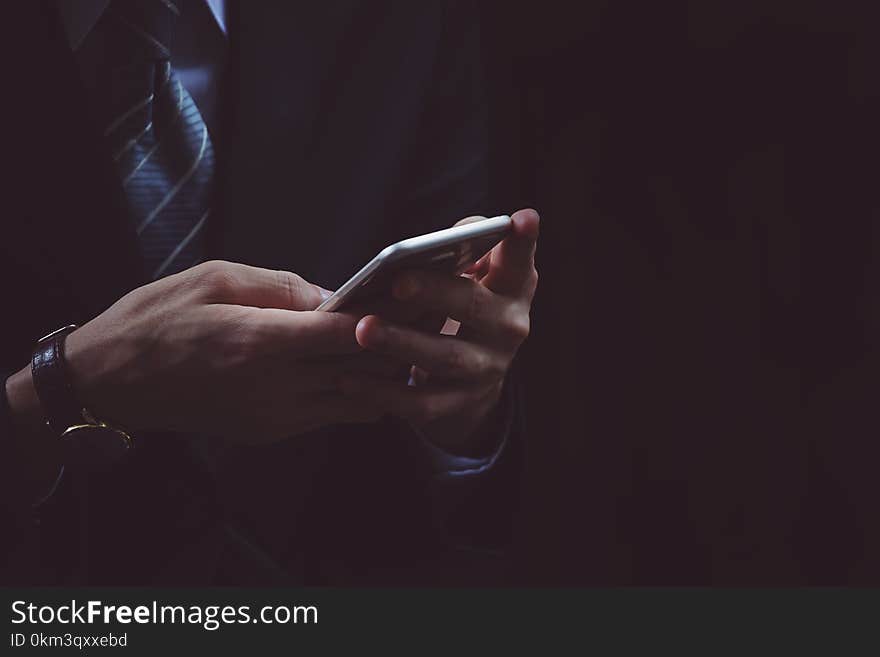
(496,368)
(215,277)
(532,282)
(480,364)
(424,410)
(293,287)
(517,325)
(209,267)
(457,359)
(523,327)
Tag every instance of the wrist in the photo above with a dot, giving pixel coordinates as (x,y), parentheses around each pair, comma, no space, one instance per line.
(474,434)
(77,355)
(86,440)
(24,405)
(86,366)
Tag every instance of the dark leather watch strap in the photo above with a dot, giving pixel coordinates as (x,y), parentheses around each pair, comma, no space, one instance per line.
(53,384)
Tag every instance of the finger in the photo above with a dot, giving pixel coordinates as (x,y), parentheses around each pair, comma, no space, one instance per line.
(480,268)
(327,370)
(512,265)
(416,318)
(441,355)
(421,406)
(302,334)
(321,375)
(391,309)
(458,297)
(234,283)
(469,220)
(436,323)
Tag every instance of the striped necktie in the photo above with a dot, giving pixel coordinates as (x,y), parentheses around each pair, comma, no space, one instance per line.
(157,137)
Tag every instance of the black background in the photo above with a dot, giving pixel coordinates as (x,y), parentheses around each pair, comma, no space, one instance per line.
(701,376)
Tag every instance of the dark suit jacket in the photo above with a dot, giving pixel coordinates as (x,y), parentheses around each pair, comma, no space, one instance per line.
(346,125)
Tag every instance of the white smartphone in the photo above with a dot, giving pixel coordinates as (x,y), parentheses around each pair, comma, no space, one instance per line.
(452,250)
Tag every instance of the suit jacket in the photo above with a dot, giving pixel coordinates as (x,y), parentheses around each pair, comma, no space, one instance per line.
(346,125)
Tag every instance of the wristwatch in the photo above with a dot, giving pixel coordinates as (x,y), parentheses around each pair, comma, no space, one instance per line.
(86,441)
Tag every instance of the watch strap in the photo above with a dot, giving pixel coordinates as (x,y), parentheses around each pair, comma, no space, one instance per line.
(53,384)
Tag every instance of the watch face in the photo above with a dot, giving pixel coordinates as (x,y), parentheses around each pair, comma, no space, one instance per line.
(92,447)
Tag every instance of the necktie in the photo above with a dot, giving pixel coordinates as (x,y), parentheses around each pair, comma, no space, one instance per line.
(157,138)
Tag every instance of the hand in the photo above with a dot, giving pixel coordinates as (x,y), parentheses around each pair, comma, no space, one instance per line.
(221,349)
(458,378)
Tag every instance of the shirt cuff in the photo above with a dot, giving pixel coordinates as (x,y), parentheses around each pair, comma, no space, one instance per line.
(450,466)
(453,466)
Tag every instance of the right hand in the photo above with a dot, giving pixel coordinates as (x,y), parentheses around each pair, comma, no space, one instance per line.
(221,349)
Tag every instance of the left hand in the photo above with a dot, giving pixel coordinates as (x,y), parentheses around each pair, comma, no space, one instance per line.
(458,378)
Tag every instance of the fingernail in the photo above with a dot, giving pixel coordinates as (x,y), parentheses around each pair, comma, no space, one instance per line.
(369,332)
(406,287)
(325,294)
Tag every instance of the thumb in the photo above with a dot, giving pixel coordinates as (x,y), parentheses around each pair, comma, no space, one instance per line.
(512,263)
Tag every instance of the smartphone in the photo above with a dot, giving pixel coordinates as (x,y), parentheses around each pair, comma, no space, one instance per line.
(452,250)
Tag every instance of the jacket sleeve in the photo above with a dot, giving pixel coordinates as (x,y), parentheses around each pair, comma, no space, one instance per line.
(476,504)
